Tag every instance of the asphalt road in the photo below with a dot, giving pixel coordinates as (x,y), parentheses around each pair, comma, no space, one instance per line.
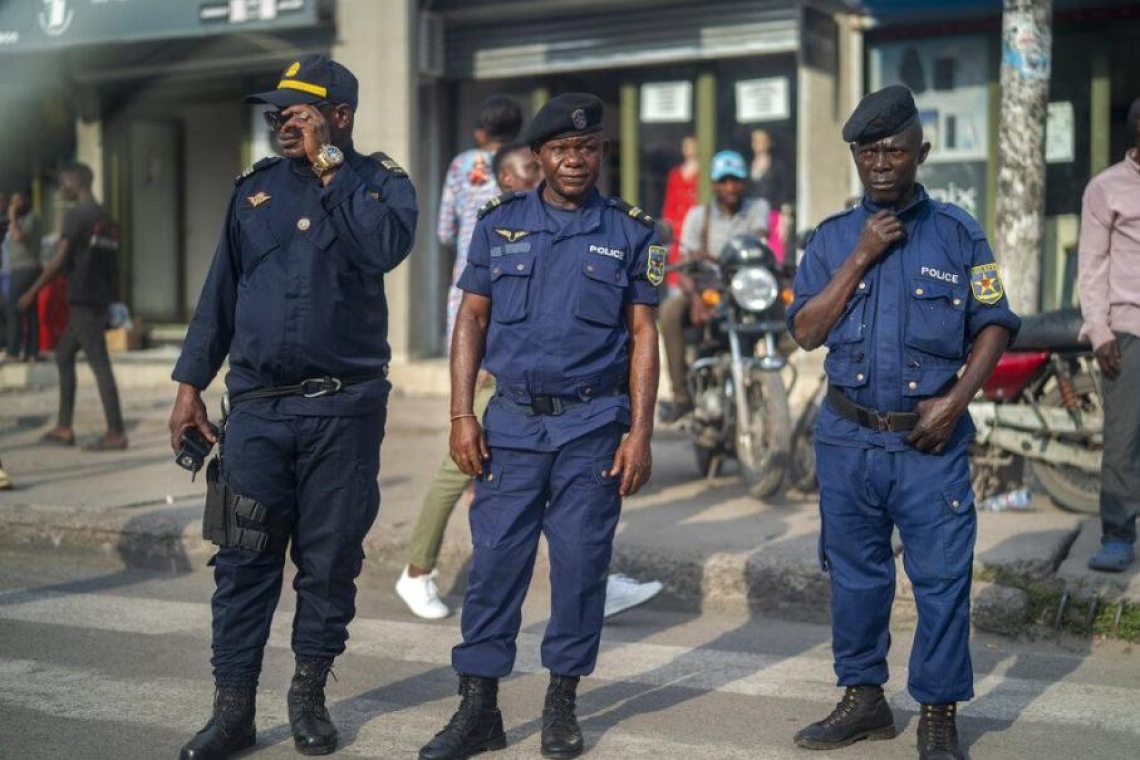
(96,661)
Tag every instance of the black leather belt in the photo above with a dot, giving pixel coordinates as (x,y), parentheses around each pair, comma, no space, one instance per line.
(313,387)
(546,406)
(888,422)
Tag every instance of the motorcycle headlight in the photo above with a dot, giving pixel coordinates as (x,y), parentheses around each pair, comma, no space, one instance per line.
(755,288)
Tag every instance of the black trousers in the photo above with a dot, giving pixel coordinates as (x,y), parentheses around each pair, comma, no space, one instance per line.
(1120,468)
(23,327)
(85,328)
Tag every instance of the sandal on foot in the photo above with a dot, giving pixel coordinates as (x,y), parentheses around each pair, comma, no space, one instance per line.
(103,443)
(1113,557)
(58,439)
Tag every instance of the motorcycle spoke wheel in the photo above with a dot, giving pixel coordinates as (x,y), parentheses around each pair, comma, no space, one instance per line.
(764,455)
(1070,488)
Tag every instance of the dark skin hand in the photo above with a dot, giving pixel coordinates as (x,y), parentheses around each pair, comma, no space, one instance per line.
(189,412)
(634,459)
(1108,357)
(307,128)
(468,443)
(938,416)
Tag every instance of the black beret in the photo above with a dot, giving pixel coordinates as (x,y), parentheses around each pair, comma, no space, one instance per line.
(569,115)
(311,79)
(881,114)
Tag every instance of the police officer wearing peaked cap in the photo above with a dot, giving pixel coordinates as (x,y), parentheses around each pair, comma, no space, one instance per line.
(295,299)
(904,292)
(559,304)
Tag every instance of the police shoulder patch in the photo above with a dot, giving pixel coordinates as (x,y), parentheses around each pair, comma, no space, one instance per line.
(634,212)
(254,168)
(655,265)
(985,283)
(494,203)
(388,164)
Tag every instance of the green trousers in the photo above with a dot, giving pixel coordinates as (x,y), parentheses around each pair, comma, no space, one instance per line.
(446,489)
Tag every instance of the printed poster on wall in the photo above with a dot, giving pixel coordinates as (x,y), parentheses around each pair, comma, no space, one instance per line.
(1059,138)
(762,100)
(667,102)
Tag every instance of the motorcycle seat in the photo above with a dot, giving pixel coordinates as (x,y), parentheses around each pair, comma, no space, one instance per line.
(1051,331)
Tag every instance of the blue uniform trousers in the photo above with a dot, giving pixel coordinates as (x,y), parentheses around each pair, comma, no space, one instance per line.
(317,478)
(565,494)
(863,493)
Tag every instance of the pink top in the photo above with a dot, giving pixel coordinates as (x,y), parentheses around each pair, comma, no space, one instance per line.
(1109,255)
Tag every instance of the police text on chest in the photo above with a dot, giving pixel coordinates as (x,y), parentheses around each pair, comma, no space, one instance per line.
(938,274)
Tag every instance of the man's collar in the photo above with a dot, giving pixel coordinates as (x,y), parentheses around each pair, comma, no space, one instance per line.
(588,219)
(920,197)
(1133,158)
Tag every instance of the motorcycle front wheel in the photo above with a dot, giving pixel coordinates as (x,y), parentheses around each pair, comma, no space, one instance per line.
(764,457)
(1070,488)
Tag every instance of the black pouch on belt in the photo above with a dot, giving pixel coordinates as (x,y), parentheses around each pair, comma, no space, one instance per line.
(220,524)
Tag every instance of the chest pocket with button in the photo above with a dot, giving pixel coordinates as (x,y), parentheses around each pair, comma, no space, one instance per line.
(853,324)
(510,287)
(257,239)
(602,292)
(935,319)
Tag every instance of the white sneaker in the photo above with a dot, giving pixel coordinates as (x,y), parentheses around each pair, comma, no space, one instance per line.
(624,593)
(421,595)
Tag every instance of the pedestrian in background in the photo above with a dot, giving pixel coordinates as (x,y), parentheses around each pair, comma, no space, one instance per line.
(295,299)
(22,260)
(563,268)
(88,252)
(1109,261)
(905,293)
(681,190)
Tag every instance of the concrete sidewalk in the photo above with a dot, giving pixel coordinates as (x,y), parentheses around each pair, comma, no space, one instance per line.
(710,544)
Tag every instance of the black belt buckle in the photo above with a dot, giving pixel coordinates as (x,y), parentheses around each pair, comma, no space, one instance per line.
(549,406)
(321,386)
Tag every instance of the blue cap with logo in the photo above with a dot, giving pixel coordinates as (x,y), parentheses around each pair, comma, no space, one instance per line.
(311,79)
(728,163)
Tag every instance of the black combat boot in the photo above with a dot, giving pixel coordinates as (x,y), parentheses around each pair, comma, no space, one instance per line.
(229,730)
(863,713)
(313,729)
(561,737)
(477,725)
(938,733)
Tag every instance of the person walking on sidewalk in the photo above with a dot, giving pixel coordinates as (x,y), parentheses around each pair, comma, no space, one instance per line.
(904,291)
(22,254)
(517,171)
(1109,262)
(88,251)
(295,298)
(560,294)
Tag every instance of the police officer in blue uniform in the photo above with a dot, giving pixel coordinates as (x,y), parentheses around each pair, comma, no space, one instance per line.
(295,298)
(904,292)
(559,305)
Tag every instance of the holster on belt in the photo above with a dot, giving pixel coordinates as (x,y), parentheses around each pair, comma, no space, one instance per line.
(224,507)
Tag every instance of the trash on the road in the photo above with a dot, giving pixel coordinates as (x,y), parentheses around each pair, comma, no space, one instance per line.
(169,499)
(1019,500)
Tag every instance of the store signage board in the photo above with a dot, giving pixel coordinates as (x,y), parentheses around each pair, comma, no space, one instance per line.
(762,100)
(1059,138)
(37,25)
(667,102)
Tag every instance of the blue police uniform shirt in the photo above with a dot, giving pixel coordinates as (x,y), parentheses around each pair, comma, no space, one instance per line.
(909,325)
(559,284)
(296,287)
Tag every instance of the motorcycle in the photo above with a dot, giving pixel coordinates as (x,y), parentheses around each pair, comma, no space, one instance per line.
(740,403)
(1041,407)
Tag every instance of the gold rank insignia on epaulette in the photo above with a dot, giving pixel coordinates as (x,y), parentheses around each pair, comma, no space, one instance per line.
(256,167)
(494,203)
(389,164)
(634,212)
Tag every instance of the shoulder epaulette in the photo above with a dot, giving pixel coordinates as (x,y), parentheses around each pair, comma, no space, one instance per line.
(634,212)
(833,217)
(256,167)
(388,164)
(494,203)
(962,217)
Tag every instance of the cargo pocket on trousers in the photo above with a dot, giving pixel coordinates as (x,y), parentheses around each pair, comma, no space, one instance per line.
(958,528)
(484,516)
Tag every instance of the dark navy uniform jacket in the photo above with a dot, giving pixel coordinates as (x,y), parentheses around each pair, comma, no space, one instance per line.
(558,326)
(911,321)
(296,288)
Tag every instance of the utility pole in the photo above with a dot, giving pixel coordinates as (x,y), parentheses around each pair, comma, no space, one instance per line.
(1027,42)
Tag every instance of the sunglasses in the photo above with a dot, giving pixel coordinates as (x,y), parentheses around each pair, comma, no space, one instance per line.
(277,119)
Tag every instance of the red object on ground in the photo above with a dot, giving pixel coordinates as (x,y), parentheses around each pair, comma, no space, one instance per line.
(51,302)
(680,196)
(1015,370)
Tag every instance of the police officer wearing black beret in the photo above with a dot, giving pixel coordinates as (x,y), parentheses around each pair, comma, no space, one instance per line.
(559,304)
(295,299)
(904,292)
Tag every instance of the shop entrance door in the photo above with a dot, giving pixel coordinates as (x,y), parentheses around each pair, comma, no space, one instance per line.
(154,219)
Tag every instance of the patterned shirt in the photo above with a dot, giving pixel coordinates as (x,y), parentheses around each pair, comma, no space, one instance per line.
(470,183)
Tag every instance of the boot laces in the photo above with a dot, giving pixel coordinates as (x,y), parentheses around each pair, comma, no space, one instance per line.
(941,731)
(844,707)
(309,693)
(560,704)
(231,706)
